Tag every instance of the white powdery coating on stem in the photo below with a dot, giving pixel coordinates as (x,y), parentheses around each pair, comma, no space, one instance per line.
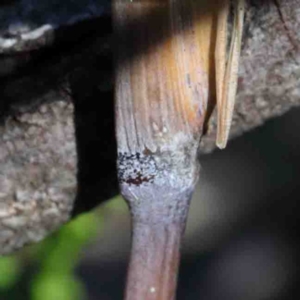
(174,161)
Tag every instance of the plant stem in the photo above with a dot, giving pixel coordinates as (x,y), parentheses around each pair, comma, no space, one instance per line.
(162,59)
(154,261)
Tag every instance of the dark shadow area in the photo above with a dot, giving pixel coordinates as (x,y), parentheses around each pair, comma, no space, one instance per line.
(34,76)
(253,252)
(8,2)
(37,76)
(96,148)
(80,63)
(78,66)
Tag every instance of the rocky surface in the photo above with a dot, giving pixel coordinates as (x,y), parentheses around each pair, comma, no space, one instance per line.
(37,174)
(42,143)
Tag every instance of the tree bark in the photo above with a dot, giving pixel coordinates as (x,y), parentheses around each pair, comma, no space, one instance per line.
(49,103)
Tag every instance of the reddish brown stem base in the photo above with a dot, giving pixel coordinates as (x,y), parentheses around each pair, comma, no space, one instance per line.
(154,261)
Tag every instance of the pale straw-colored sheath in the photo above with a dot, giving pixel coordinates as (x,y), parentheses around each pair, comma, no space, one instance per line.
(162,57)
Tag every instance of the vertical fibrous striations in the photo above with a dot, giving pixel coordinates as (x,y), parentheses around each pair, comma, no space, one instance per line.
(162,59)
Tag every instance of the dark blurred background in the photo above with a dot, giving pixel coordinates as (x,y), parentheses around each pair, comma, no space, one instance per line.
(242,239)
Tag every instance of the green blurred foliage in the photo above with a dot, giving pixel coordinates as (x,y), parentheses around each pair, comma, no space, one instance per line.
(9,272)
(54,260)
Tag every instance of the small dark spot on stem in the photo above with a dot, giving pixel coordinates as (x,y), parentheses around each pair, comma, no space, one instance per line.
(139,179)
(147,151)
